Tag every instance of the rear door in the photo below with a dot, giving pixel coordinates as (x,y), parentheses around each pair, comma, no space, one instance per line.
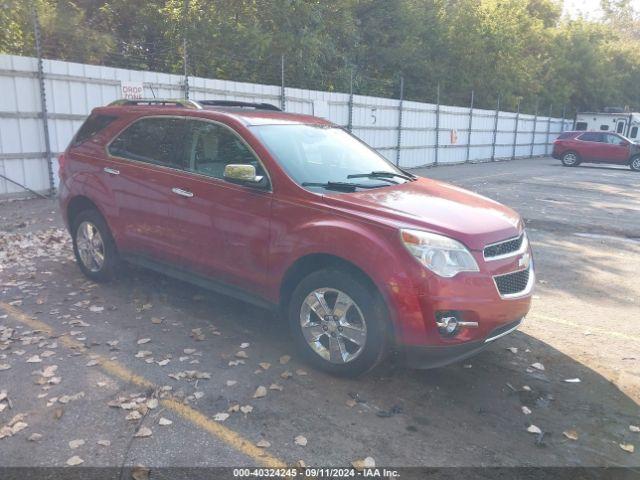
(146,162)
(616,149)
(590,146)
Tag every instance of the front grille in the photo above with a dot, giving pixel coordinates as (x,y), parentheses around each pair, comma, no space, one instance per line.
(512,283)
(503,248)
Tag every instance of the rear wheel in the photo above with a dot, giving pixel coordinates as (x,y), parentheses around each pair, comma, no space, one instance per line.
(338,323)
(93,246)
(635,163)
(570,159)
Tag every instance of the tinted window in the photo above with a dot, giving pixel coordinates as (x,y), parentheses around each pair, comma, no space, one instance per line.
(591,137)
(634,132)
(620,127)
(581,126)
(613,139)
(604,127)
(211,147)
(91,126)
(151,140)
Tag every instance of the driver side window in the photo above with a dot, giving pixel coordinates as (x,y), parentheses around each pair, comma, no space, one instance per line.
(211,147)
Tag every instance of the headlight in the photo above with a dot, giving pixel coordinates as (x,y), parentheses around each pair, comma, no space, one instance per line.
(442,255)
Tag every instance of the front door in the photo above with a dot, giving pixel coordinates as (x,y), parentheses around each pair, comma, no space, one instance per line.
(616,149)
(223,227)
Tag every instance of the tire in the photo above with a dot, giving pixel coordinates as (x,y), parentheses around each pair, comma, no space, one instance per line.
(635,163)
(570,159)
(91,224)
(349,358)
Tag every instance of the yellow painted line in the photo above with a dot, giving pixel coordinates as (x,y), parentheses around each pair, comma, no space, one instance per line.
(598,330)
(116,369)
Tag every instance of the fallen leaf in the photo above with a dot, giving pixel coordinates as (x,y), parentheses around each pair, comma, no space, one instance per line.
(164,422)
(156,320)
(264,365)
(244,345)
(513,349)
(220,417)
(526,410)
(246,409)
(627,447)
(286,374)
(75,460)
(34,359)
(152,403)
(133,415)
(284,359)
(140,472)
(351,403)
(263,444)
(538,366)
(34,437)
(572,380)
(368,462)
(96,308)
(634,428)
(231,383)
(571,434)
(76,443)
(142,341)
(300,440)
(242,354)
(260,392)
(275,386)
(301,372)
(143,432)
(104,443)
(534,429)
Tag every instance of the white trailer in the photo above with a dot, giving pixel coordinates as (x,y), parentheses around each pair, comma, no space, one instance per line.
(624,123)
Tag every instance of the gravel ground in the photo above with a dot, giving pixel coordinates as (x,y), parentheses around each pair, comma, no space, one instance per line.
(87,367)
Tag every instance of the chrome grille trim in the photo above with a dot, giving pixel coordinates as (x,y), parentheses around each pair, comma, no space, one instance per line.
(524,245)
(526,291)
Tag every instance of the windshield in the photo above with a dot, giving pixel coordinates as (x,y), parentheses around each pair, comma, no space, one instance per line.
(324,156)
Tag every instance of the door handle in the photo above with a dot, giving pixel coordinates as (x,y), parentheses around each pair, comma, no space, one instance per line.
(111,171)
(181,192)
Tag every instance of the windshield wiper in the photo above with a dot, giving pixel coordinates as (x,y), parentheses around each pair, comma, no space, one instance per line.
(381,175)
(340,186)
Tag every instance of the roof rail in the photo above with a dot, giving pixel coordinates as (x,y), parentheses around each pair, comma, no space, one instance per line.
(157,101)
(234,103)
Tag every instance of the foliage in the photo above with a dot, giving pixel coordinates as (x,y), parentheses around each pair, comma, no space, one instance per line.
(523,50)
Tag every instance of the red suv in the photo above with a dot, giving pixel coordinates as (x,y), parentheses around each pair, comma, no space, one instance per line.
(291,212)
(573,148)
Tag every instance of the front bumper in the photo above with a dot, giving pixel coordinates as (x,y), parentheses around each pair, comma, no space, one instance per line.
(424,357)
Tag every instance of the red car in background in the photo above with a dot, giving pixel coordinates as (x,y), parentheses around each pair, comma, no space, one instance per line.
(294,213)
(574,148)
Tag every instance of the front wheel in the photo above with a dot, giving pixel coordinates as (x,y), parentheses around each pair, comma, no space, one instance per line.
(570,159)
(338,322)
(635,163)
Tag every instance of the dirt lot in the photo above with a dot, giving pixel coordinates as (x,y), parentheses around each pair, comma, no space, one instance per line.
(76,358)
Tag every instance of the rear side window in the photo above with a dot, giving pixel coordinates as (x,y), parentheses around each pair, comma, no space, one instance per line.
(152,140)
(91,126)
(634,132)
(591,137)
(581,126)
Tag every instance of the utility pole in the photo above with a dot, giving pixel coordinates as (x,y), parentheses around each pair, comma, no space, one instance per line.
(283,99)
(43,97)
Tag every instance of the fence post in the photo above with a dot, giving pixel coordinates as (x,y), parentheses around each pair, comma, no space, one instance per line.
(185,54)
(546,145)
(564,114)
(469,129)
(437,123)
(43,98)
(495,131)
(350,121)
(533,134)
(399,145)
(282,94)
(515,133)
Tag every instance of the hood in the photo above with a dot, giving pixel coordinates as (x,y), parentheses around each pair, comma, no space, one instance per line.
(437,207)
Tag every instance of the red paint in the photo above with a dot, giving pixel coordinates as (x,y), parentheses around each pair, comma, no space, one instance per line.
(250,238)
(597,150)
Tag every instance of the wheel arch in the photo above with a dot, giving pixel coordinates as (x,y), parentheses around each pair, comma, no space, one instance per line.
(78,204)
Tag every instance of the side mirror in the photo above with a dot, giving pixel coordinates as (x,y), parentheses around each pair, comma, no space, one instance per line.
(243,174)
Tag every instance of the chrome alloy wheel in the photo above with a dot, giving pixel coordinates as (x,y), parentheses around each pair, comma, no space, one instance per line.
(570,159)
(635,164)
(333,325)
(90,246)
